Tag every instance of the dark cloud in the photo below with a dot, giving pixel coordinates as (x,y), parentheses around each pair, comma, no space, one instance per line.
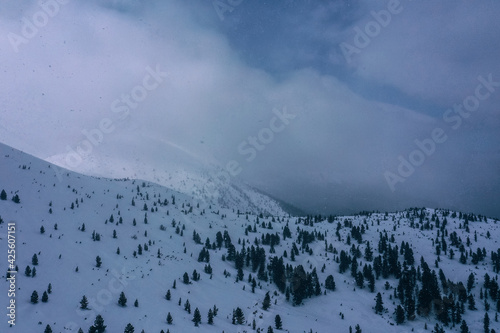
(222,82)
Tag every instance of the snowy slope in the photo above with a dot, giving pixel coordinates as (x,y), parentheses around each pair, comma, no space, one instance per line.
(184,171)
(147,277)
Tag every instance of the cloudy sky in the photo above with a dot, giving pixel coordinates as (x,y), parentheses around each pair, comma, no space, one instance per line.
(333,106)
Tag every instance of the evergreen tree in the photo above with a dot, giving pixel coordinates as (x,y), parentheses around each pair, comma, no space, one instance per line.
(472,302)
(34,297)
(210,317)
(84,303)
(27,271)
(98,261)
(185,278)
(136,303)
(16,199)
(486,322)
(470,282)
(34,260)
(45,297)
(169,319)
(196,317)
(168,296)
(3,195)
(270,329)
(238,316)
(400,315)
(48,329)
(33,272)
(99,324)
(122,300)
(277,322)
(379,304)
(358,329)
(464,328)
(49,288)
(267,302)
(129,328)
(330,282)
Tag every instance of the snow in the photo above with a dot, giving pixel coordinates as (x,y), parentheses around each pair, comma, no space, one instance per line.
(147,278)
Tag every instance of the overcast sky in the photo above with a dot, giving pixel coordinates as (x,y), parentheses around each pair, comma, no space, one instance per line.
(333,106)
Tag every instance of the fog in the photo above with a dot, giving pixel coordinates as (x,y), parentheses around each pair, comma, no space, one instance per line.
(334,107)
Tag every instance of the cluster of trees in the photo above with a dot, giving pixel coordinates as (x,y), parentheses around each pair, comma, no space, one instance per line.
(15,198)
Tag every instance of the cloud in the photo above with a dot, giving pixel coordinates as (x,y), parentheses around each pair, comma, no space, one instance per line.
(223,79)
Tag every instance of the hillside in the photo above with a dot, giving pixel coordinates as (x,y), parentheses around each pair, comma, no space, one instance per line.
(162,234)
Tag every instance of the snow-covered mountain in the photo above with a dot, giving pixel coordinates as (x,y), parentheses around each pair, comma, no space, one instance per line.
(150,237)
(172,166)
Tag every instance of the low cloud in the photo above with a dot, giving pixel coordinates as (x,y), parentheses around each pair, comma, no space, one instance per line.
(352,120)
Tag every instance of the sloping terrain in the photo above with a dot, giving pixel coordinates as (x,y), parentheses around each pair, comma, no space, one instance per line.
(149,237)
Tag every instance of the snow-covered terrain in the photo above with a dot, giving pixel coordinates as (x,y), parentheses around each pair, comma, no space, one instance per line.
(172,229)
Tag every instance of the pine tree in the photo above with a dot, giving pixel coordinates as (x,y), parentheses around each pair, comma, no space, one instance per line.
(210,317)
(470,282)
(270,329)
(122,300)
(49,288)
(16,199)
(168,295)
(27,271)
(34,260)
(169,319)
(464,328)
(358,329)
(196,317)
(330,282)
(379,304)
(277,322)
(136,303)
(99,324)
(486,322)
(472,302)
(84,303)
(129,328)
(98,261)
(45,297)
(400,315)
(34,297)
(33,272)
(3,195)
(48,329)
(267,302)
(185,278)
(238,316)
